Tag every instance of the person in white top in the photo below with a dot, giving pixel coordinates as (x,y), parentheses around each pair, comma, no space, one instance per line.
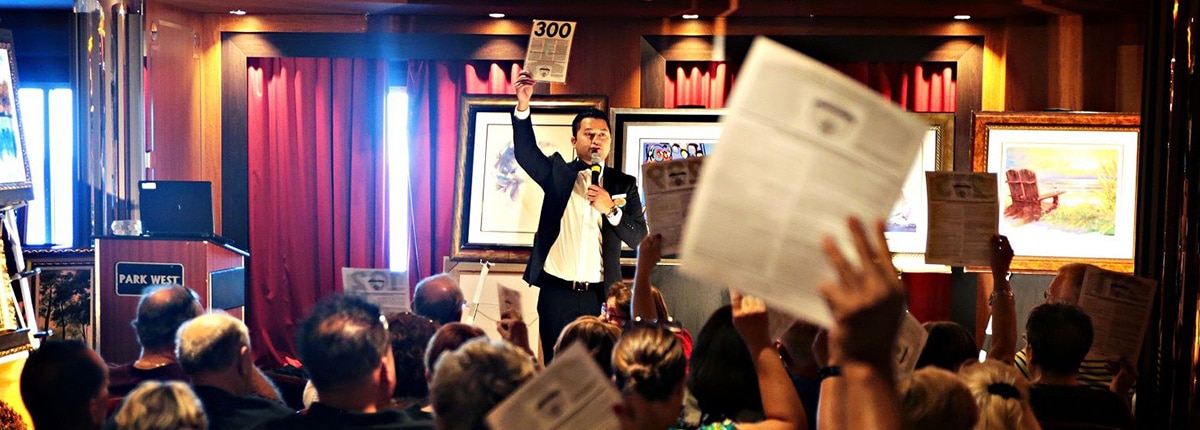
(588,210)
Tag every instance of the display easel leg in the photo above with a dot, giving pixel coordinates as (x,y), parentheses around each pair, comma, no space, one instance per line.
(26,317)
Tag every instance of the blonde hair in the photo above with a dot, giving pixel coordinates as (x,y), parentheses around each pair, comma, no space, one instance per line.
(937,398)
(597,335)
(159,405)
(993,385)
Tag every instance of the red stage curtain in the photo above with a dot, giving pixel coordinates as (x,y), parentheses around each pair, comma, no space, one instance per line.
(434,88)
(317,184)
(697,84)
(928,296)
(917,87)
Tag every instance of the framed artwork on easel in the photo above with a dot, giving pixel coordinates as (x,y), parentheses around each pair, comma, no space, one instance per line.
(16,184)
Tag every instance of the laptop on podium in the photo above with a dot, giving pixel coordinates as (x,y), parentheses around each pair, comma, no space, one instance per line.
(178,209)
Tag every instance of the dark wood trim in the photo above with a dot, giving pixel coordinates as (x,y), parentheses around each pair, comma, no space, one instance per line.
(235,189)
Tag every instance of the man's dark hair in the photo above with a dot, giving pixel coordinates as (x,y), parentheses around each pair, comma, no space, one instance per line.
(342,342)
(58,381)
(587,113)
(722,375)
(410,334)
(434,303)
(949,345)
(448,338)
(1060,335)
(159,318)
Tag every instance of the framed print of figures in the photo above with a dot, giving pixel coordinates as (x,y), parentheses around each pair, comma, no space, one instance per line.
(1069,185)
(497,205)
(643,136)
(16,185)
(909,221)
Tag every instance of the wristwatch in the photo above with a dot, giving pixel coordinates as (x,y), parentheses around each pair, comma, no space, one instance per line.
(612,212)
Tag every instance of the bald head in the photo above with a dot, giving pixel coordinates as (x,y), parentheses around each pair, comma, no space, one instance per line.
(210,343)
(438,298)
(161,310)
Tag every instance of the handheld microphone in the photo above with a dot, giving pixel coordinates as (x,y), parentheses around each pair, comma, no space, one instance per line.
(596,168)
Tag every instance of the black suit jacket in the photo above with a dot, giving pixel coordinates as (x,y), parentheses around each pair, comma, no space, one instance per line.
(557,177)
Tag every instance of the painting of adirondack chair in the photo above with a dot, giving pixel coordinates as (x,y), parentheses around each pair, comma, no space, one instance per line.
(1028,203)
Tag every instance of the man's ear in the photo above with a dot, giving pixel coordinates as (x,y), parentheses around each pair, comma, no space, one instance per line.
(244,362)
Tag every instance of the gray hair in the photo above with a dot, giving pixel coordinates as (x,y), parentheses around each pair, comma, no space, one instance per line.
(156,405)
(470,381)
(210,343)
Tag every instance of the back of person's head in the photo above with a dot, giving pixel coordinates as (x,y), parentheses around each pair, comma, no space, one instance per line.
(722,376)
(210,343)
(1001,393)
(937,398)
(448,338)
(63,384)
(1067,284)
(649,361)
(438,298)
(342,343)
(161,405)
(161,310)
(410,335)
(795,349)
(1060,336)
(949,345)
(587,113)
(596,335)
(471,380)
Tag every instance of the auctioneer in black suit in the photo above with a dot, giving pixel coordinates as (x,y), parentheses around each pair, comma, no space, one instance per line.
(562,300)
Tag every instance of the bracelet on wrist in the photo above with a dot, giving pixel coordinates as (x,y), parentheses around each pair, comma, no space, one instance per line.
(829,371)
(997,293)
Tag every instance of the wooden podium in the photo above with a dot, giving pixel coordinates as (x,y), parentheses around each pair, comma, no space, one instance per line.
(126,264)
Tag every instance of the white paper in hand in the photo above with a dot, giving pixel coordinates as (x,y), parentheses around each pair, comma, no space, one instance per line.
(572,393)
(802,148)
(549,50)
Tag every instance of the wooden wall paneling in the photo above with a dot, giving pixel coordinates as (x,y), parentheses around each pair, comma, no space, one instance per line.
(1100,66)
(1065,58)
(1026,68)
(173,96)
(235,193)
(653,84)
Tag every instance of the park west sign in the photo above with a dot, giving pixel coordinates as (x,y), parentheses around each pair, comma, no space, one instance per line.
(132,278)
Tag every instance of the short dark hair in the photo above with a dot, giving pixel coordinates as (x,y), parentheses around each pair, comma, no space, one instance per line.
(1060,335)
(342,342)
(949,345)
(588,113)
(597,335)
(58,381)
(722,375)
(441,308)
(158,319)
(448,338)
(649,361)
(410,334)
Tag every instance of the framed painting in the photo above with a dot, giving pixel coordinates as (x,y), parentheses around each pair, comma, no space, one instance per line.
(643,136)
(62,292)
(1070,183)
(16,184)
(908,223)
(497,205)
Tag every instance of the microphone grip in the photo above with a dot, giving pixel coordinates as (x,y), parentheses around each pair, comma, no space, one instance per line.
(595,176)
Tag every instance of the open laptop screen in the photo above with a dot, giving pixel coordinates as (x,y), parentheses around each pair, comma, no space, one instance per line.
(176,208)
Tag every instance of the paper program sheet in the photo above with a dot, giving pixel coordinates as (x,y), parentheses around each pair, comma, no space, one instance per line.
(572,393)
(802,148)
(549,49)
(964,214)
(381,287)
(1119,305)
(668,187)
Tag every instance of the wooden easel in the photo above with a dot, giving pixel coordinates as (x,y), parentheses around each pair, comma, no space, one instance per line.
(20,338)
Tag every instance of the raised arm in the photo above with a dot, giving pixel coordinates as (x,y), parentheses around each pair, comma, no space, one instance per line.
(781,403)
(642,303)
(867,303)
(1004,312)
(525,147)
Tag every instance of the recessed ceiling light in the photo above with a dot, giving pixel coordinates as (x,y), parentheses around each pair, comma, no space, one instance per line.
(496,15)
(962,17)
(237,12)
(690,16)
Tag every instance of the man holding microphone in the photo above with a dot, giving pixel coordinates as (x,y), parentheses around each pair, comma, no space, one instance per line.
(588,210)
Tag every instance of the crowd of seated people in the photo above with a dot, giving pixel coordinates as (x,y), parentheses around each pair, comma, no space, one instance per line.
(425,370)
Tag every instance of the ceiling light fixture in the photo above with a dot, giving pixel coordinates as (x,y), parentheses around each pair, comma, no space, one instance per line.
(690,16)
(962,17)
(496,15)
(237,12)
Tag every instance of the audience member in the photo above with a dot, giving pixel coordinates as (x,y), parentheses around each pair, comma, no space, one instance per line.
(214,350)
(64,385)
(1002,395)
(439,299)
(646,303)
(161,405)
(161,310)
(410,335)
(448,338)
(937,398)
(470,381)
(1060,336)
(345,349)
(948,346)
(649,368)
(795,349)
(596,335)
